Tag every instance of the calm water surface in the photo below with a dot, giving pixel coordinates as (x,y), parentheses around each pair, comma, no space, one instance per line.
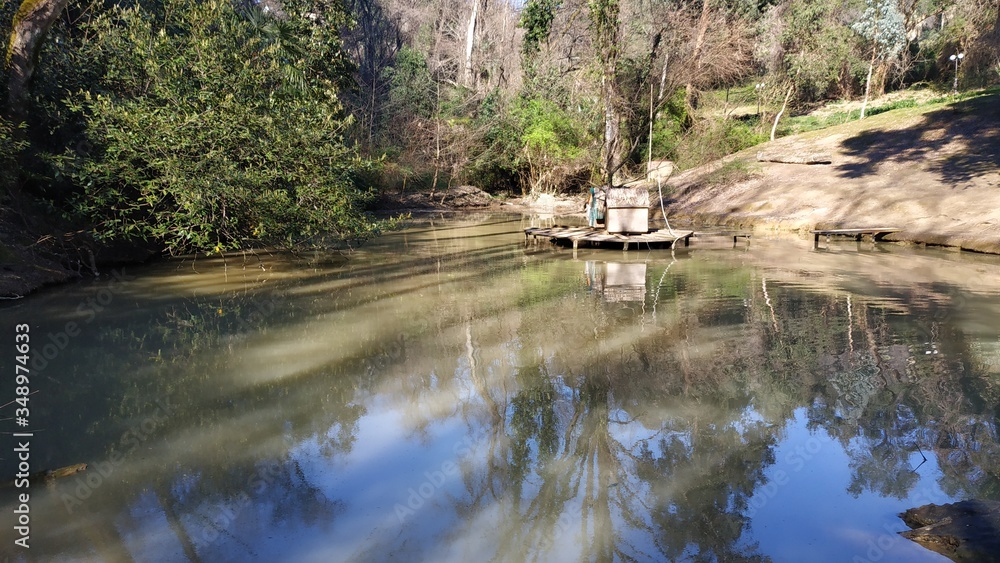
(446,393)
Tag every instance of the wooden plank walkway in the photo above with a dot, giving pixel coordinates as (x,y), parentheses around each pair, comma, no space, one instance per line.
(875,232)
(598,238)
(725,233)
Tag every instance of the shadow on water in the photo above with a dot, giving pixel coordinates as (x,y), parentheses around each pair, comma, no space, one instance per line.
(973,125)
(605,409)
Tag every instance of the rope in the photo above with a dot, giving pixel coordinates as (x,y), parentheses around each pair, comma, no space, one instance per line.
(659,189)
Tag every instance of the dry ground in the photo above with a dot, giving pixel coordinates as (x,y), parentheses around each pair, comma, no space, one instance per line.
(933,171)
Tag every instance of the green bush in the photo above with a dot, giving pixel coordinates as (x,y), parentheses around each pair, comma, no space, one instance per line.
(412,92)
(668,128)
(9,147)
(530,143)
(218,129)
(898,104)
(495,163)
(553,143)
(711,140)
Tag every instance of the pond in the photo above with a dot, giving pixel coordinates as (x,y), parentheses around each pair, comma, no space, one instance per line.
(448,393)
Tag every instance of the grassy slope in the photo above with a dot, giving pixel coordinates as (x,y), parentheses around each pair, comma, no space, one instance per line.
(933,170)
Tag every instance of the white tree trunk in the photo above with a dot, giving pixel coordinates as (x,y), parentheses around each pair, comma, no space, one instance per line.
(784,104)
(868,82)
(470,42)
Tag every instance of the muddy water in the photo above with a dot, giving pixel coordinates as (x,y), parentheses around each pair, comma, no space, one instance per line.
(448,394)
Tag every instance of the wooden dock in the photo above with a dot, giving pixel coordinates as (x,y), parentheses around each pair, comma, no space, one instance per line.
(875,232)
(735,234)
(599,238)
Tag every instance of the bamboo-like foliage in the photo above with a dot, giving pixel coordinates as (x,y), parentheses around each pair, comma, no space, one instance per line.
(217,129)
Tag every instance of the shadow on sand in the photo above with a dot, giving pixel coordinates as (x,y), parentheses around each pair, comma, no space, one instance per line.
(972,125)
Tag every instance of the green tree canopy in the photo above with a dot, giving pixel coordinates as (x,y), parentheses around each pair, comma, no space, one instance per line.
(882,24)
(219,128)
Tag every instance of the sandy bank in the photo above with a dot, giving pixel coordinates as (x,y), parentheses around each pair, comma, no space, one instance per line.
(932,171)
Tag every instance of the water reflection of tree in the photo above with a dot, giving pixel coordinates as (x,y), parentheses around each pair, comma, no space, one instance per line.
(568,467)
(897,388)
(843,362)
(644,447)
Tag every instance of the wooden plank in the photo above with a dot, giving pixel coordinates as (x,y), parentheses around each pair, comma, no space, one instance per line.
(600,237)
(875,232)
(746,234)
(864,231)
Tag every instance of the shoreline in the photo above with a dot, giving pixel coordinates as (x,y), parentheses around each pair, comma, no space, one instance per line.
(33,272)
(933,172)
(33,265)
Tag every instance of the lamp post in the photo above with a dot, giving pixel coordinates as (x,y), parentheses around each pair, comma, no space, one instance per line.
(956,58)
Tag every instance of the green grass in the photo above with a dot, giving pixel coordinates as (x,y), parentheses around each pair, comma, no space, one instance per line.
(815,121)
(733,172)
(812,122)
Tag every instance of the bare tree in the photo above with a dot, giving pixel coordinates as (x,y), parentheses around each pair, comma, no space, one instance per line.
(373,42)
(470,42)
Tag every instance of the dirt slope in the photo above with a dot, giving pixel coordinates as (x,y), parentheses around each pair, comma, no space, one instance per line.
(933,171)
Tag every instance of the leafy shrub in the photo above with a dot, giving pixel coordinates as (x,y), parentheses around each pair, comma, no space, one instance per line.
(495,163)
(532,143)
(9,148)
(553,143)
(711,140)
(216,129)
(898,104)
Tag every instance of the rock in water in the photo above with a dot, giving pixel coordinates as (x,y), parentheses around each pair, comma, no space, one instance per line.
(963,531)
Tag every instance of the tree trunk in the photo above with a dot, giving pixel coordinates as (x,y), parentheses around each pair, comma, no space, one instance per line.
(604,15)
(699,43)
(32,21)
(868,82)
(437,137)
(784,104)
(649,141)
(470,42)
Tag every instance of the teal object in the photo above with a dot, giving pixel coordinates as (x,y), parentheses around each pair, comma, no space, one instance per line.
(595,209)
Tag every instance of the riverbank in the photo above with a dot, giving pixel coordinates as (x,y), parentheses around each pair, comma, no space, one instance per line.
(471,198)
(38,251)
(30,260)
(933,171)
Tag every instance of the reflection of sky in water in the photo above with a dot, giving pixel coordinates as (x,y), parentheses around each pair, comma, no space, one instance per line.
(804,514)
(665,379)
